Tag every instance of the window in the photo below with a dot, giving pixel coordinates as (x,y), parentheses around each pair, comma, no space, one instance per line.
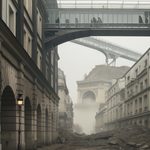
(39,59)
(141,86)
(52,57)
(27,44)
(24,40)
(136,105)
(145,103)
(11,20)
(131,108)
(136,72)
(136,88)
(28,6)
(140,104)
(145,63)
(128,78)
(146,83)
(52,80)
(39,23)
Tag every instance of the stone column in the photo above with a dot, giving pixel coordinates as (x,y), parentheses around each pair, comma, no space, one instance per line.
(20,90)
(20,21)
(43,119)
(34,128)
(34,45)
(50,121)
(34,115)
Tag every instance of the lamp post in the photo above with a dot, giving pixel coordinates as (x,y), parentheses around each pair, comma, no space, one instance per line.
(19,103)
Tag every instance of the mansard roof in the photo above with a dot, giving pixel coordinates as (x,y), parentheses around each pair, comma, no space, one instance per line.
(105,73)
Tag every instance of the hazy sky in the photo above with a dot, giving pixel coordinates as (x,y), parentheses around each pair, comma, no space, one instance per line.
(76,60)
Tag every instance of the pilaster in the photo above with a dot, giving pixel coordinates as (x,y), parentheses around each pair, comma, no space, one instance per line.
(20,21)
(0,8)
(20,110)
(34,45)
(34,114)
(20,80)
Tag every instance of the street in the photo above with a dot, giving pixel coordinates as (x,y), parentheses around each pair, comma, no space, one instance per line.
(129,138)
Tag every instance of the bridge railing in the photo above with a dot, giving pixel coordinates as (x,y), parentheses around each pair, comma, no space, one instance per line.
(88,25)
(94,18)
(142,4)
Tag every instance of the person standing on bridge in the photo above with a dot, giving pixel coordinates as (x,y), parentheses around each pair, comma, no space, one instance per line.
(140,19)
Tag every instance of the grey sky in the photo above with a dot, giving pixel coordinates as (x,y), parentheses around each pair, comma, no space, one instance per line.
(76,60)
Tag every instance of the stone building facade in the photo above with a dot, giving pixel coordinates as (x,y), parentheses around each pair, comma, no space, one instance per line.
(26,68)
(132,107)
(137,104)
(111,111)
(100,118)
(65,104)
(91,93)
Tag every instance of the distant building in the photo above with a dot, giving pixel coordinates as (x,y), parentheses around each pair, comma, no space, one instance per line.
(115,97)
(100,118)
(65,104)
(91,93)
(97,82)
(137,104)
(129,104)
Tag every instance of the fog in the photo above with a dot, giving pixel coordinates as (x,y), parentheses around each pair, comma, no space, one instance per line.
(76,61)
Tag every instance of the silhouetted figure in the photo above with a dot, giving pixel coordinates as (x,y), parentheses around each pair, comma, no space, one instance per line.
(76,22)
(99,20)
(91,22)
(67,22)
(94,20)
(57,20)
(146,20)
(140,19)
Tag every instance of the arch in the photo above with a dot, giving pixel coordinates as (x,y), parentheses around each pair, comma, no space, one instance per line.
(39,126)
(68,35)
(28,124)
(46,126)
(8,119)
(88,97)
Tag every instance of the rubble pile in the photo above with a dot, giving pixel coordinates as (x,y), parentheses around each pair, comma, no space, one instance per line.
(129,138)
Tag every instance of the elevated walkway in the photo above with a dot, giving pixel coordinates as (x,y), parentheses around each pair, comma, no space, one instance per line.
(111,51)
(73,19)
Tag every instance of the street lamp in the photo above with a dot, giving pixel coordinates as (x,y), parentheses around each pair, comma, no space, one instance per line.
(19,103)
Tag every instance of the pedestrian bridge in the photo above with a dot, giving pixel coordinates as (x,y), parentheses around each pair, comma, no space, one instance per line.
(72,19)
(110,50)
(79,18)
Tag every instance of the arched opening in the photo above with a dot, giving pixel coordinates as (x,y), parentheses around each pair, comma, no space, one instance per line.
(8,120)
(88,97)
(39,126)
(28,124)
(46,127)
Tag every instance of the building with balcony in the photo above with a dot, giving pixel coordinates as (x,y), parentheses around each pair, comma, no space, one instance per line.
(128,100)
(65,104)
(137,104)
